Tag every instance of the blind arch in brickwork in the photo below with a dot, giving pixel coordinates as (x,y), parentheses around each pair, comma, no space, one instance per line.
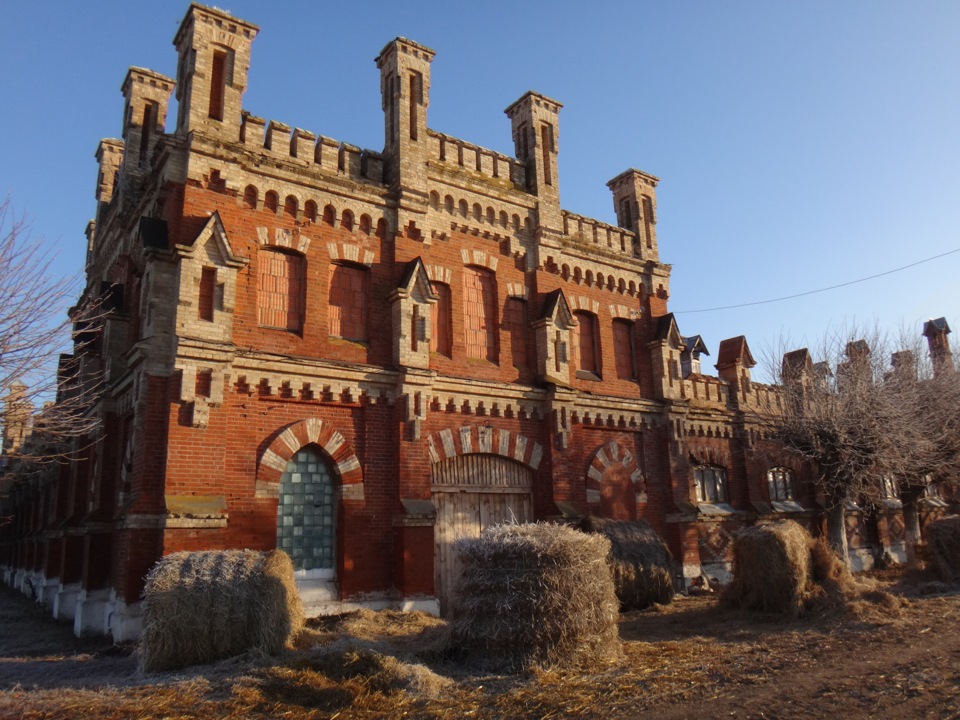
(471,439)
(312,431)
(610,463)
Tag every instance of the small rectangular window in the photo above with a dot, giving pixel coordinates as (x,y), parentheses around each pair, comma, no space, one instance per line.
(208,288)
(204,383)
(546,142)
(146,130)
(218,78)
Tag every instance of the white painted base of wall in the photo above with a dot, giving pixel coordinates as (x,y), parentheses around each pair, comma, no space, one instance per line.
(49,592)
(124,622)
(18,579)
(65,601)
(861,559)
(430,606)
(898,551)
(90,613)
(8,574)
(719,571)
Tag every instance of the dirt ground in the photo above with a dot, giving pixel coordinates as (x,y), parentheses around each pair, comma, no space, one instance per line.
(893,657)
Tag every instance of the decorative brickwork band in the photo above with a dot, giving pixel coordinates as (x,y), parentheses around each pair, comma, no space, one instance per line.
(273,461)
(471,439)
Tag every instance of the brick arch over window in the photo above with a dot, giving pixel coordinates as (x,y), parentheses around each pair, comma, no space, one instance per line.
(471,439)
(275,457)
(612,470)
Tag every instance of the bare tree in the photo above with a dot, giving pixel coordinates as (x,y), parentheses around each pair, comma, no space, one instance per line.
(46,392)
(863,426)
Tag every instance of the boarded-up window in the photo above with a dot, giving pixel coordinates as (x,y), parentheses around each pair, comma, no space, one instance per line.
(208,286)
(515,323)
(623,349)
(280,295)
(586,345)
(218,77)
(441,320)
(480,313)
(347,311)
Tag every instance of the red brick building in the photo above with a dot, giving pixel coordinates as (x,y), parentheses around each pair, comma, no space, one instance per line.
(357,356)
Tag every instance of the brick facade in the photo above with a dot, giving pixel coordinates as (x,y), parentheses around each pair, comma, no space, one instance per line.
(280,289)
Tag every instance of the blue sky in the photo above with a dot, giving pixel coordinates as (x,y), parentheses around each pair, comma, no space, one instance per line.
(799,145)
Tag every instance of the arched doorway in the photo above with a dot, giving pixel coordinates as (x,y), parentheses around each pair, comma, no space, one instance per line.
(471,493)
(306,515)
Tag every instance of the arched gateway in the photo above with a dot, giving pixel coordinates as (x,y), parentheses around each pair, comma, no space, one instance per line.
(479,477)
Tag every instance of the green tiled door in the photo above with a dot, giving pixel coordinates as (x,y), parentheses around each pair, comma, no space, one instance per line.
(306,512)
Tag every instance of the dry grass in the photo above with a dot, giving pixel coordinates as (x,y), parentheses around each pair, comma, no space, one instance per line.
(678,661)
(535,595)
(204,606)
(643,567)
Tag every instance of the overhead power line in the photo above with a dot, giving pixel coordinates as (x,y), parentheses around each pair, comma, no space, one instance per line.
(820,290)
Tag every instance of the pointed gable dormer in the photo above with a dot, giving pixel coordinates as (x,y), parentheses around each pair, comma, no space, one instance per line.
(207,282)
(734,361)
(693,348)
(665,354)
(552,332)
(412,304)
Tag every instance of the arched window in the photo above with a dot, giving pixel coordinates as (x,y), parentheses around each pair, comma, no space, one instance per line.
(365,224)
(480,313)
(271,201)
(329,215)
(280,289)
(586,345)
(711,484)
(441,320)
(310,210)
(306,512)
(623,349)
(780,484)
(290,206)
(250,197)
(347,311)
(346,220)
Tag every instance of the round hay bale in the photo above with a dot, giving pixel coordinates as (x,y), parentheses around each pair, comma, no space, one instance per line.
(535,595)
(771,568)
(943,541)
(642,565)
(205,606)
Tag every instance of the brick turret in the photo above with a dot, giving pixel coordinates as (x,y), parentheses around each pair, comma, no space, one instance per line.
(536,132)
(635,202)
(147,96)
(214,59)
(936,331)
(405,92)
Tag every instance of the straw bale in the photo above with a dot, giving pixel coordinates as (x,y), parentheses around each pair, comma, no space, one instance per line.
(943,539)
(204,606)
(535,595)
(642,565)
(771,568)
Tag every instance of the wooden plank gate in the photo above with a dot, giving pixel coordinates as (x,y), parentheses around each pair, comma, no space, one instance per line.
(471,493)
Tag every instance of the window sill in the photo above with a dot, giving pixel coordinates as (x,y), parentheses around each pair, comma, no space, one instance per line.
(587,375)
(715,508)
